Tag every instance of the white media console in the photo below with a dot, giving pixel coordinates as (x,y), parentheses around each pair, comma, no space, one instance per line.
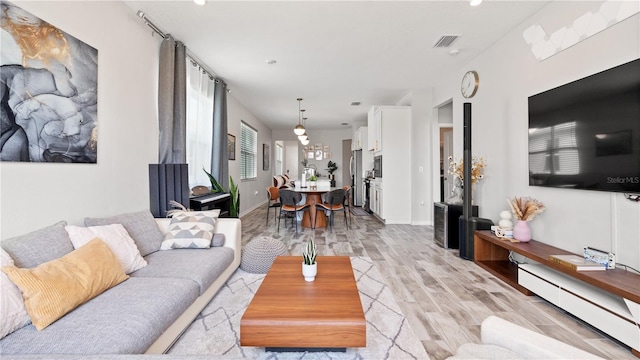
(608,300)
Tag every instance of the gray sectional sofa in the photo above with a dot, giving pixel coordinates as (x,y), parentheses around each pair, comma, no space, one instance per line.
(146,313)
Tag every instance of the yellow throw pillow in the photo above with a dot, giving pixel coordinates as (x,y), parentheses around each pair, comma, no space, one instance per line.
(56,287)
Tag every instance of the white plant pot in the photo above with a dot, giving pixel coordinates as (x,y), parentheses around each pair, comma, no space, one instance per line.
(309,271)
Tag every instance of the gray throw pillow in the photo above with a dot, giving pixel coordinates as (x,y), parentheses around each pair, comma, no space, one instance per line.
(218,240)
(37,247)
(141,226)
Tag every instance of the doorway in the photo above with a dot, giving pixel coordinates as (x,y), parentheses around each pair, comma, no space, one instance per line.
(291,159)
(444,133)
(446,151)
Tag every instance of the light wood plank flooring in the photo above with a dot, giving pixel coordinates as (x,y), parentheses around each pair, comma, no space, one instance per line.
(444,297)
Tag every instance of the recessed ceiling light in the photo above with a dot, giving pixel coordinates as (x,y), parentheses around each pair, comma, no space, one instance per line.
(200,2)
(454,52)
(271,61)
(475,2)
(344,124)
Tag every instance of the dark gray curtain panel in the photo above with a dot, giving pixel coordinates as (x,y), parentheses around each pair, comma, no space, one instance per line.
(219,149)
(172,102)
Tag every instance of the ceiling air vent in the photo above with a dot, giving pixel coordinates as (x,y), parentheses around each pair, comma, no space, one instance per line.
(445,41)
(355,103)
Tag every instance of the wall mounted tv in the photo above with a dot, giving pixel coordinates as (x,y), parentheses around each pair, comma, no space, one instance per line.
(586,134)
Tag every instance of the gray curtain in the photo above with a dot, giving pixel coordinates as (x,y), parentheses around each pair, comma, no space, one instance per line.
(172,102)
(220,150)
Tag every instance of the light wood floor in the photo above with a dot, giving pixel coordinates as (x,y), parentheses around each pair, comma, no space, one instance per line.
(444,297)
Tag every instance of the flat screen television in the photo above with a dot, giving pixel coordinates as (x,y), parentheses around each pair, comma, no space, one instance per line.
(586,134)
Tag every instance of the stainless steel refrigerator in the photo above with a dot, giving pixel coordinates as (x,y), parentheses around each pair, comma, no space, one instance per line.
(355,167)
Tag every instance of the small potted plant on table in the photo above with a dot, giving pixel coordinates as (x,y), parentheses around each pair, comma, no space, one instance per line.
(313,181)
(309,264)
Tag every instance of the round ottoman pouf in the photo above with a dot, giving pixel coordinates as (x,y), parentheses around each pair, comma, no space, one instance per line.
(260,253)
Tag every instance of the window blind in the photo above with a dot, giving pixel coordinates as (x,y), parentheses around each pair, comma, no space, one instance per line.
(248,152)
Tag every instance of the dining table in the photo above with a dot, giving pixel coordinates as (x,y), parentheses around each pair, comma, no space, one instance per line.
(314,196)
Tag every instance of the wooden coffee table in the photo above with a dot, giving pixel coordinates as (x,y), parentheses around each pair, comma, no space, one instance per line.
(290,314)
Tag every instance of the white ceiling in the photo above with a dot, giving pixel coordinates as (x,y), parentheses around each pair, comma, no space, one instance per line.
(331,53)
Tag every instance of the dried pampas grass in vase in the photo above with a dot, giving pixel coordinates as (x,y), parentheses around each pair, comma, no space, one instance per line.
(524,209)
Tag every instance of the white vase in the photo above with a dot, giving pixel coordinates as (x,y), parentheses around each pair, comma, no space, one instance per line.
(309,271)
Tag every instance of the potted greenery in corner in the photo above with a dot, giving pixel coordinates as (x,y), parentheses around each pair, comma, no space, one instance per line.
(234,208)
(309,264)
(331,167)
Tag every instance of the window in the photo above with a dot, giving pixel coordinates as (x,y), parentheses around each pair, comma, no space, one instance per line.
(200,90)
(279,152)
(248,152)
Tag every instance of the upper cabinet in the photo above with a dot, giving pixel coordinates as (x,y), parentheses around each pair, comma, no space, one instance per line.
(360,138)
(374,142)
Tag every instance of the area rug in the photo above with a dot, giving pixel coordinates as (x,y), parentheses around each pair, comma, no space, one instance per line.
(358,211)
(216,331)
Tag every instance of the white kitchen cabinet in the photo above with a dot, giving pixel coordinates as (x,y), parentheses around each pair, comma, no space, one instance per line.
(373,138)
(394,132)
(379,202)
(360,138)
(376,198)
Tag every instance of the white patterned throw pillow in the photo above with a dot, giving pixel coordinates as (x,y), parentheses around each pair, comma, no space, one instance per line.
(190,230)
(117,239)
(12,310)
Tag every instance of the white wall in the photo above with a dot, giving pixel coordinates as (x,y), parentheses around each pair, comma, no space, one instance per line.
(34,195)
(252,192)
(509,74)
(127,129)
(423,166)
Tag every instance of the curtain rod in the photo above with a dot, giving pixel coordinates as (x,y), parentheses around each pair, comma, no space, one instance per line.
(153,26)
(164,35)
(204,68)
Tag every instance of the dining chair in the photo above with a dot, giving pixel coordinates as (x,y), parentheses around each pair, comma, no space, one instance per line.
(347,201)
(334,202)
(290,204)
(273,201)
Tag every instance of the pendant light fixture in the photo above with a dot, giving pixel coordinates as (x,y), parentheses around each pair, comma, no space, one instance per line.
(299,129)
(304,134)
(305,140)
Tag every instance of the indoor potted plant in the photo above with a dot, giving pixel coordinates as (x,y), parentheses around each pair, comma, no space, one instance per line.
(234,207)
(313,181)
(309,264)
(234,210)
(331,168)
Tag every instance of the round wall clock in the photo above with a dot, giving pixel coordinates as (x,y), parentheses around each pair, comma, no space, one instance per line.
(470,82)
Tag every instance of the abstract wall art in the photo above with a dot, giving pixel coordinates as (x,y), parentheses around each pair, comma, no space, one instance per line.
(48,92)
(231,144)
